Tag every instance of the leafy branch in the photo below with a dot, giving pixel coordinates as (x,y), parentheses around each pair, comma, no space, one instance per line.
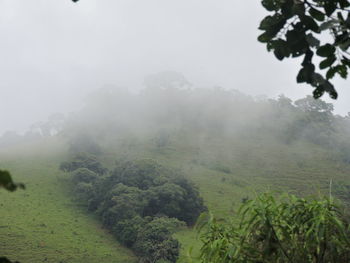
(294,29)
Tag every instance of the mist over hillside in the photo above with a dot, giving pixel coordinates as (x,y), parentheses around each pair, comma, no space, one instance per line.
(224,143)
(174,131)
(170,108)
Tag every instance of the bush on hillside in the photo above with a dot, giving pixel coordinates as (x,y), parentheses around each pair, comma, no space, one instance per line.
(142,203)
(84,175)
(83,160)
(154,242)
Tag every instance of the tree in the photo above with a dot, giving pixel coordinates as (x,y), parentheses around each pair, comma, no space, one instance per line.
(155,243)
(141,202)
(288,229)
(83,160)
(294,30)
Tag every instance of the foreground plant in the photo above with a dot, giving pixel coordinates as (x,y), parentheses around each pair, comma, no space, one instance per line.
(288,229)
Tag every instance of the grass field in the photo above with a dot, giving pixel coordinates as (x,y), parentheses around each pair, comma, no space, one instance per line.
(45,224)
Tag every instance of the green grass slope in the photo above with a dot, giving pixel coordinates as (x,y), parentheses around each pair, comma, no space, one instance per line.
(229,170)
(45,224)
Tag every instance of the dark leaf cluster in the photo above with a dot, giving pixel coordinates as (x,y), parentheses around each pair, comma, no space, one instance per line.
(294,29)
(7,182)
(83,160)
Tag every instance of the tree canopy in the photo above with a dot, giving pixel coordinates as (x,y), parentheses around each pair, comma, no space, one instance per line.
(141,202)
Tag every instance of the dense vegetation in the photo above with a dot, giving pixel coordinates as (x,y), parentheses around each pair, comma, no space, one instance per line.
(228,143)
(290,229)
(141,202)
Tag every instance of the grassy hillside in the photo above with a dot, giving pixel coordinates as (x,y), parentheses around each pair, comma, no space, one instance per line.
(45,224)
(228,170)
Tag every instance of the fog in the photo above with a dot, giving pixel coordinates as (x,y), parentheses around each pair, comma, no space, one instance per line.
(54,53)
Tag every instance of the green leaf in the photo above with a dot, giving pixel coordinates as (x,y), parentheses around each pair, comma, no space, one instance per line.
(333,93)
(325,50)
(342,70)
(281,49)
(322,85)
(318,15)
(313,42)
(330,7)
(270,5)
(310,23)
(346,61)
(331,72)
(344,45)
(344,3)
(279,54)
(264,38)
(305,74)
(298,8)
(328,62)
(327,25)
(270,21)
(318,92)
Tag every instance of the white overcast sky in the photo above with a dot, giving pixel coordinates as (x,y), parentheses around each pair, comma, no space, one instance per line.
(53,52)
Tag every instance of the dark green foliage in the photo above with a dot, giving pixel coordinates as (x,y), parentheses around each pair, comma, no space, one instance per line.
(142,203)
(84,175)
(83,160)
(154,242)
(293,30)
(142,174)
(128,229)
(287,230)
(85,191)
(7,183)
(165,191)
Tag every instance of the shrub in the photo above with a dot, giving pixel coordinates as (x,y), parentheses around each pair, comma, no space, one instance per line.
(83,160)
(154,241)
(84,175)
(142,203)
(289,230)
